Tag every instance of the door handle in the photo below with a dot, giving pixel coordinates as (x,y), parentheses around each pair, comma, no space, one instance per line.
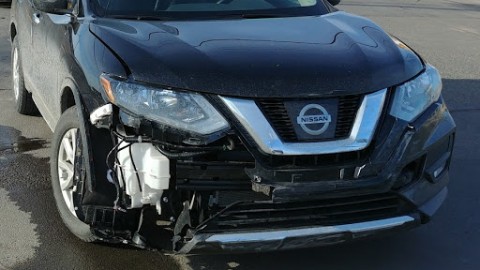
(37,17)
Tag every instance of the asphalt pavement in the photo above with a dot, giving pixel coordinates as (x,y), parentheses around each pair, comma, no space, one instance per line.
(446,33)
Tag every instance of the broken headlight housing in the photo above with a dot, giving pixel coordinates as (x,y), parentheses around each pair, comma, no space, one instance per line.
(182,110)
(414,97)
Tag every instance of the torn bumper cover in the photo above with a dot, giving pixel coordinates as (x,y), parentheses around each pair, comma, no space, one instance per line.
(308,236)
(285,239)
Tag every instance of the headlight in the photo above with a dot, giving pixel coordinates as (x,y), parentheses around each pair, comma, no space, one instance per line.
(182,110)
(413,97)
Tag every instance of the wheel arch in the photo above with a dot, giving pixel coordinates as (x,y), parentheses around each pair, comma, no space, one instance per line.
(67,99)
(100,192)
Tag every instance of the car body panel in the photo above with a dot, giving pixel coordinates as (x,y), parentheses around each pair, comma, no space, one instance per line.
(333,54)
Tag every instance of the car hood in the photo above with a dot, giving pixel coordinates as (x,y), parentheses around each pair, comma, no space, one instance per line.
(291,57)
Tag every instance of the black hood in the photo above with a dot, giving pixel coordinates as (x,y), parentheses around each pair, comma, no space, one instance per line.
(280,57)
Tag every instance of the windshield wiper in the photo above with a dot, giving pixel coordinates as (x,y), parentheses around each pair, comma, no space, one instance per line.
(263,15)
(253,15)
(139,17)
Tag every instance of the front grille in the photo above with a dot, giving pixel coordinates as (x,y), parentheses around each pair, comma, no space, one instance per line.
(267,215)
(347,110)
(276,113)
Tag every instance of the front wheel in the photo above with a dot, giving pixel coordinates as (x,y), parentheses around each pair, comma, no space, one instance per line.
(66,155)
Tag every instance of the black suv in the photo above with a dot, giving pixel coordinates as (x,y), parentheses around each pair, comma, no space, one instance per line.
(231,125)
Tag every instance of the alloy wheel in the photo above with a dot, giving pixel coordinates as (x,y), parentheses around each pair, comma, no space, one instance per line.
(66,167)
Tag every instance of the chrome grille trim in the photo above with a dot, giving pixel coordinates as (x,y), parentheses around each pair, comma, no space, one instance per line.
(252,119)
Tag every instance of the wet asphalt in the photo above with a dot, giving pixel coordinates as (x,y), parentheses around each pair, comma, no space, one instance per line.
(446,33)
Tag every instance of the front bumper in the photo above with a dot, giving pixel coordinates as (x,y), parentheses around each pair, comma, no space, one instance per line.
(305,237)
(311,236)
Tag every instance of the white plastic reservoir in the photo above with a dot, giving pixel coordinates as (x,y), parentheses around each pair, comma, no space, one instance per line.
(153,170)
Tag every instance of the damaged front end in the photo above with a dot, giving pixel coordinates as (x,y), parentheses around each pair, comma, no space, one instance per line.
(248,186)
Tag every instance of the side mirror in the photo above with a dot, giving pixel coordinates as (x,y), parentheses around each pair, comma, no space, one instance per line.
(334,2)
(54,6)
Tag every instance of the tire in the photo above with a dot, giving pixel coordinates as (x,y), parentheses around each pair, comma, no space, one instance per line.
(68,126)
(24,103)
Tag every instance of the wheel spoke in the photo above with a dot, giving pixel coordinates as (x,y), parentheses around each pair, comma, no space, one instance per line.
(66,184)
(65,166)
(67,146)
(74,144)
(65,175)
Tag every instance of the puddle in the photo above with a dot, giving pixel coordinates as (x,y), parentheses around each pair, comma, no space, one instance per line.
(23,145)
(11,141)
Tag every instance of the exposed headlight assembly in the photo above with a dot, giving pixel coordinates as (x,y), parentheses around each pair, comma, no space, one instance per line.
(182,110)
(414,97)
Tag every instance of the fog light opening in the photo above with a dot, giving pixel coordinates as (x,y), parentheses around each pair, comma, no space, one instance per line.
(435,171)
(410,173)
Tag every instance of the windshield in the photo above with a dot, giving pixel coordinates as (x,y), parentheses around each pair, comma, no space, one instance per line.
(187,9)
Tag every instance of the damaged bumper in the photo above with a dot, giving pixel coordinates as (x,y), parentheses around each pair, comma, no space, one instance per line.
(275,239)
(310,236)
(285,239)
